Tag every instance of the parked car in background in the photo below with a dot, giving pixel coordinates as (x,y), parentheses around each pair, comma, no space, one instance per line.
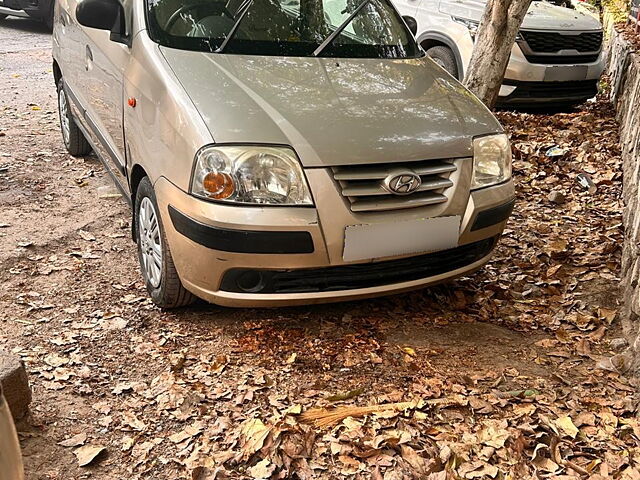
(556,59)
(41,10)
(10,458)
(275,153)
(585,6)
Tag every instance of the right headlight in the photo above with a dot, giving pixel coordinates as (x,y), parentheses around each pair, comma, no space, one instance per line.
(247,174)
(491,160)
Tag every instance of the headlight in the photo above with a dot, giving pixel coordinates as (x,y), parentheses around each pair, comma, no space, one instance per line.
(472,25)
(491,160)
(250,175)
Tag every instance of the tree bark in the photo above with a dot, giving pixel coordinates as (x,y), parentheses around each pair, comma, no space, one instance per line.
(496,34)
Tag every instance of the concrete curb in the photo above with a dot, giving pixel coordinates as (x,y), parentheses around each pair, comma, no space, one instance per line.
(15,384)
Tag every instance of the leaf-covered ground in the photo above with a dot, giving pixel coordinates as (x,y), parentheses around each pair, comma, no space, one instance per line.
(492,376)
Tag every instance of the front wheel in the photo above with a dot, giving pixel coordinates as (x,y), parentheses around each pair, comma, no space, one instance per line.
(444,57)
(159,272)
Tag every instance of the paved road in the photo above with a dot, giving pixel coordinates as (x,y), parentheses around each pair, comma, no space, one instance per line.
(21,34)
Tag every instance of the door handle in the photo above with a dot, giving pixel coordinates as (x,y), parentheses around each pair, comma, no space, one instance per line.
(89,58)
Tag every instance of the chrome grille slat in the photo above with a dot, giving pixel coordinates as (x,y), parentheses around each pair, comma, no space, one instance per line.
(379,204)
(379,172)
(363,186)
(374,188)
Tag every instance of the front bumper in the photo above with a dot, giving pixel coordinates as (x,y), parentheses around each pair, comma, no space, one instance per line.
(213,245)
(13,8)
(547,93)
(536,83)
(24,8)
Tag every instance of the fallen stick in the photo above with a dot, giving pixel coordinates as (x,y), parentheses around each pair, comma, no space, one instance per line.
(324,417)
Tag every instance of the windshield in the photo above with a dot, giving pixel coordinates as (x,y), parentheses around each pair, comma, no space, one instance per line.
(282,27)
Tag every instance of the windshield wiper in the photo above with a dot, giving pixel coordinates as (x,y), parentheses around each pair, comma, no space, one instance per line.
(325,43)
(244,8)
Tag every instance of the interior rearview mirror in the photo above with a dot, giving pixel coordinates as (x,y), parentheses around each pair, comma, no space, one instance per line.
(102,14)
(411,23)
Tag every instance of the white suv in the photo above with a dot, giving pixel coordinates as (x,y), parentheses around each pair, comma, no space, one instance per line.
(557,57)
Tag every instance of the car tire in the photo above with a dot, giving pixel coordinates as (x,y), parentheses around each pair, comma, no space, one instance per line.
(72,137)
(158,270)
(444,57)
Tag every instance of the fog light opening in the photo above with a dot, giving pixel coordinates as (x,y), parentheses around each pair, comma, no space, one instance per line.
(251,282)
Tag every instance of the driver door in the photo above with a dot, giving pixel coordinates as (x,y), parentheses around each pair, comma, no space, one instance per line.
(104,65)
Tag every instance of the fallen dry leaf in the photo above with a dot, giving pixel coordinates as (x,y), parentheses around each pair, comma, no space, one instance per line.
(74,441)
(88,454)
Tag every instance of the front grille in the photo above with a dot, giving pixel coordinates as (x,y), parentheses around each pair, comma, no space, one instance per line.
(562,59)
(552,42)
(362,185)
(349,277)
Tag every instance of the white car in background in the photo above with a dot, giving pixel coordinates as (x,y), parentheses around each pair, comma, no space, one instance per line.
(557,58)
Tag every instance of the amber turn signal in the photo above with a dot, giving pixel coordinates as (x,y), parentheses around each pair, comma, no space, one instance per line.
(218,185)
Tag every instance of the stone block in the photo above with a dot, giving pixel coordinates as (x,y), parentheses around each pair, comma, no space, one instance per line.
(15,384)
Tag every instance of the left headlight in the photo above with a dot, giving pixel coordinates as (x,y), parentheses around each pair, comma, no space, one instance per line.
(472,25)
(491,160)
(250,175)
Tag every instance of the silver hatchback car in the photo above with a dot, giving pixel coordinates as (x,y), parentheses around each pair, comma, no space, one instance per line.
(280,152)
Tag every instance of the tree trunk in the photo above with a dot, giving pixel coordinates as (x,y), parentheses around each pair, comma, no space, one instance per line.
(496,34)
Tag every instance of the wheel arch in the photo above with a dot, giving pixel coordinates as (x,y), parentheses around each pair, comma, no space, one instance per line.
(135,177)
(434,39)
(57,73)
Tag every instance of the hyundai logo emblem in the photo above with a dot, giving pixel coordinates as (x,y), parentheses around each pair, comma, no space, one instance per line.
(402,183)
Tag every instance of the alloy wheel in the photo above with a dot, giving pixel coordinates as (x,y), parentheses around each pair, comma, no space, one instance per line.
(65,122)
(150,242)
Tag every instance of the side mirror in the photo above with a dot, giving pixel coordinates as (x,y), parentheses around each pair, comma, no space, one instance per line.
(103,15)
(411,23)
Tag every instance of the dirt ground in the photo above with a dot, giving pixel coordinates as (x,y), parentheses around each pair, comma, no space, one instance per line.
(500,368)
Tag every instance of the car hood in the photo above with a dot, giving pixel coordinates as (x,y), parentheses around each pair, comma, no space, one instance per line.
(541,15)
(334,111)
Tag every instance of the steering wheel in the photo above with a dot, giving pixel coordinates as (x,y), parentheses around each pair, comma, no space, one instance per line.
(187,8)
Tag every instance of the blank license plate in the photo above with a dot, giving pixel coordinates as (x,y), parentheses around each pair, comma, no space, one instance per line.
(566,73)
(363,242)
